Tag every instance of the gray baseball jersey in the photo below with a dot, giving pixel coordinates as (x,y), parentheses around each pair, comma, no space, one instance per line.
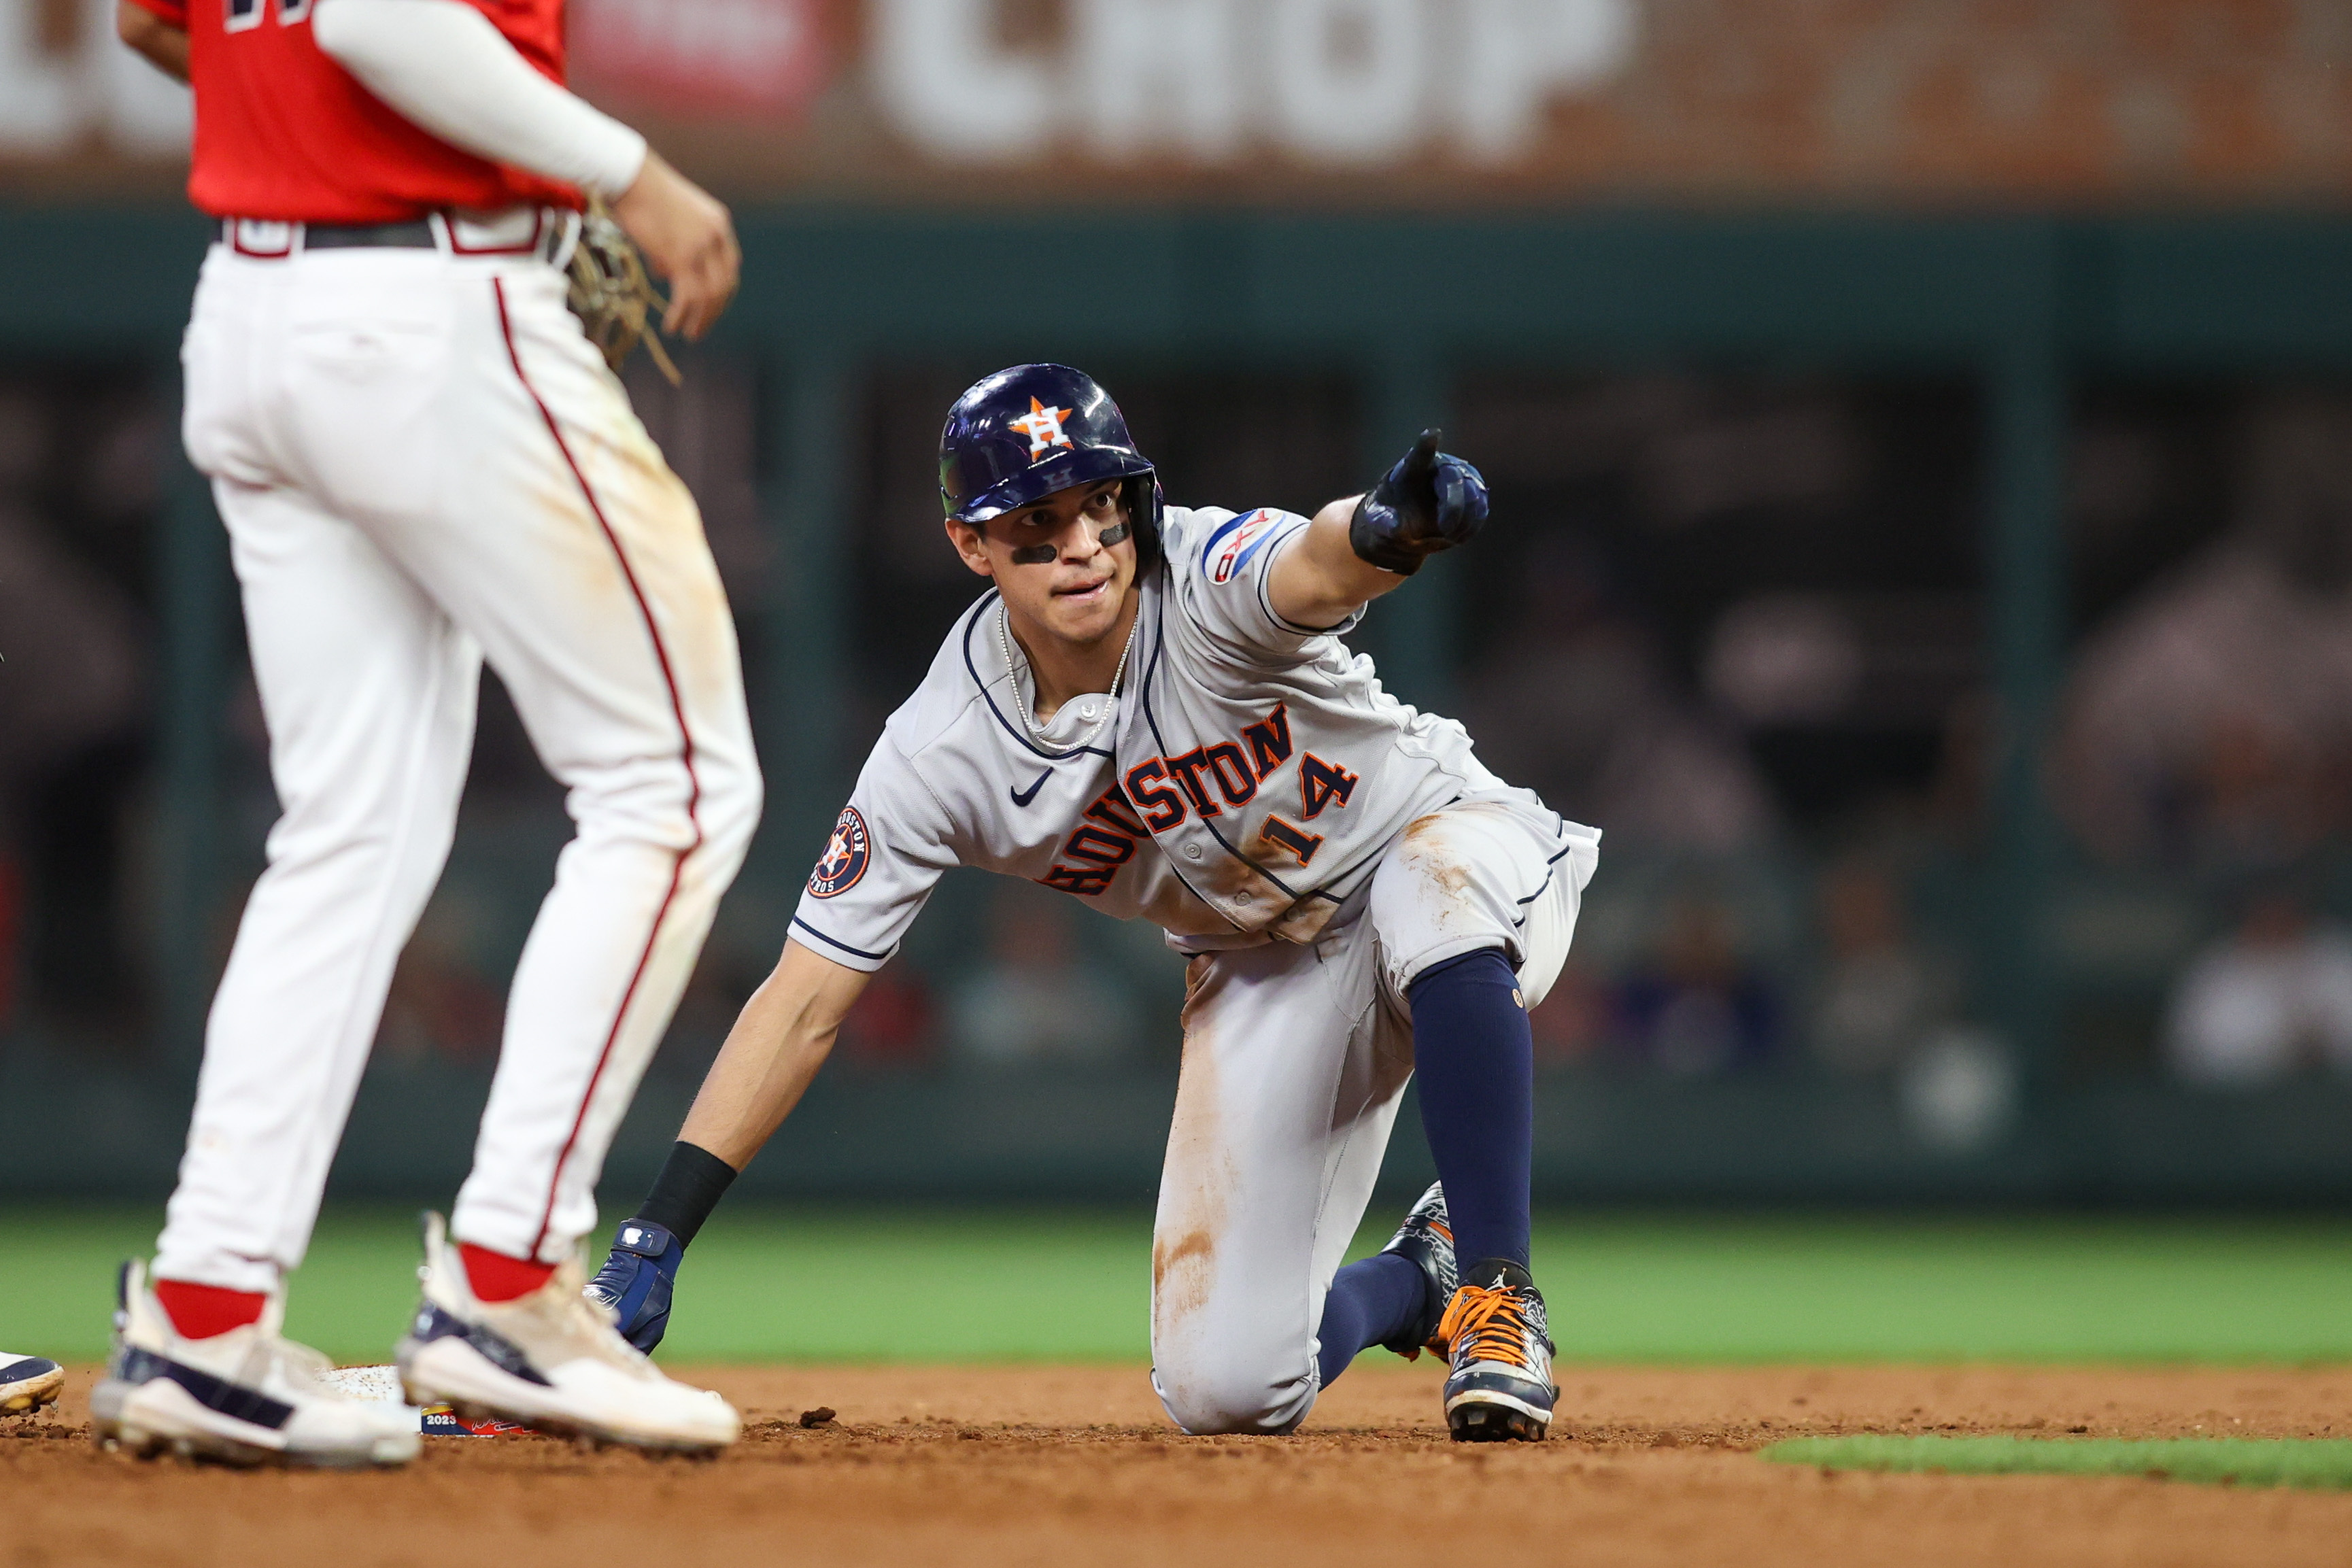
(1318,844)
(1249,779)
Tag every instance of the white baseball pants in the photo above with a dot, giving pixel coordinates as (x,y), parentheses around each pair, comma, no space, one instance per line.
(421,463)
(1295,1059)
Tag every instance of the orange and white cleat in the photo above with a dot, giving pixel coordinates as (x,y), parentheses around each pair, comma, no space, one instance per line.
(1500,1388)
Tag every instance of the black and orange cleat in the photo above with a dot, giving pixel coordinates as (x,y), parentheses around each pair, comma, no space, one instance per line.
(1500,1388)
(1425,1240)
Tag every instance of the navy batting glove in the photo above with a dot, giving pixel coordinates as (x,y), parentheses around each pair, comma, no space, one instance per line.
(1431,501)
(637,1278)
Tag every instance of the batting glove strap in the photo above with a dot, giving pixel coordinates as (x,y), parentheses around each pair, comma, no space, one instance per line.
(1431,501)
(637,1279)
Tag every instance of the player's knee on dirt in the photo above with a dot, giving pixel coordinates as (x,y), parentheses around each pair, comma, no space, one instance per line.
(1231,1394)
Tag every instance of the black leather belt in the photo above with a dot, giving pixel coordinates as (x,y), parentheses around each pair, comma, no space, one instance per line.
(417,235)
(413,236)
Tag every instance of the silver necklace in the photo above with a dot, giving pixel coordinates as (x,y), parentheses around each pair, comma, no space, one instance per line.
(1020,703)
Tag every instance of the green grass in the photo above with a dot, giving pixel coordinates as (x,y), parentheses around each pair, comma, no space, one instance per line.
(817,1283)
(2323,1462)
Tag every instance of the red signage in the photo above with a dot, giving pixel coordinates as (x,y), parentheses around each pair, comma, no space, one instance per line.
(702,59)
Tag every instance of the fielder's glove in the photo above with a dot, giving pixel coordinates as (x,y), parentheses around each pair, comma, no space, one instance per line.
(611,293)
(636,1281)
(1430,502)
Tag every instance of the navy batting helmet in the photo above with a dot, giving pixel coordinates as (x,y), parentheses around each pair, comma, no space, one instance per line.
(1018,436)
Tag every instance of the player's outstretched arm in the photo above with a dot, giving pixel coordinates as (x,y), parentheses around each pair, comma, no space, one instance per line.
(780,1039)
(1359,548)
(164,45)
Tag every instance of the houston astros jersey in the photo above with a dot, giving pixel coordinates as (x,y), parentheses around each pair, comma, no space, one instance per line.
(1247,780)
(282,132)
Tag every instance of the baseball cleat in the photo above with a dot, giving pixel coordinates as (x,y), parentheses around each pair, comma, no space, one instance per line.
(637,1280)
(1426,1239)
(1500,1388)
(28,1382)
(551,1360)
(250,1396)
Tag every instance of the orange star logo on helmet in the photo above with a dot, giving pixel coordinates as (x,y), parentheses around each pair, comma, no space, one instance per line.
(1043,425)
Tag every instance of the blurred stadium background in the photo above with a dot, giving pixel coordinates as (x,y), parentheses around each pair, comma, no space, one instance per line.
(1921,436)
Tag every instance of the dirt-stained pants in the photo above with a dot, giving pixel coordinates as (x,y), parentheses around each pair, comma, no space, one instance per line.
(422,464)
(1295,1058)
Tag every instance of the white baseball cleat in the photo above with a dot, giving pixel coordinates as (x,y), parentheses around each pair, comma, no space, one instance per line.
(250,1396)
(551,1360)
(28,1382)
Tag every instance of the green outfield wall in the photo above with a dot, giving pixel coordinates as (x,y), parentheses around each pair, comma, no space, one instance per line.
(1400,304)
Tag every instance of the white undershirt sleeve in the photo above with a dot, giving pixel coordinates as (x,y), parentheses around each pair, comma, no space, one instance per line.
(446,66)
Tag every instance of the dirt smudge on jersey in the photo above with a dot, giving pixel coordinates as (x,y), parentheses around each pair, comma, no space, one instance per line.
(1431,858)
(1168,1256)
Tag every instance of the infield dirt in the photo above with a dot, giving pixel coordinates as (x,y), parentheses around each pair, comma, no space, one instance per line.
(1077,1465)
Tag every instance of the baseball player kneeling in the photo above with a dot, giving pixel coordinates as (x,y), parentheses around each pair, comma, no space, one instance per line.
(1152,711)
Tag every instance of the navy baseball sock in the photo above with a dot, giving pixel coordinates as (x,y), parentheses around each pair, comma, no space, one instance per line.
(1474,1056)
(1370,1303)
(691,1183)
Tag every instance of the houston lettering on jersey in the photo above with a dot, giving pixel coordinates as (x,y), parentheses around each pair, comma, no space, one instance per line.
(1102,843)
(1261,759)
(1161,792)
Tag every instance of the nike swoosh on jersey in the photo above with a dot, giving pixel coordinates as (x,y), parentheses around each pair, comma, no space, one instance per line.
(1022,797)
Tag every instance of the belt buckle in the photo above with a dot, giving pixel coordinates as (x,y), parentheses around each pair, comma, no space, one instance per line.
(267,239)
(517,231)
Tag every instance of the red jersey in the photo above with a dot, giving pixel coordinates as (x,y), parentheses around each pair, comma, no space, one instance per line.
(282,132)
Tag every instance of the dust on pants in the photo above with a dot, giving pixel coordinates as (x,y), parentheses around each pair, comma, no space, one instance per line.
(1295,1060)
(423,464)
